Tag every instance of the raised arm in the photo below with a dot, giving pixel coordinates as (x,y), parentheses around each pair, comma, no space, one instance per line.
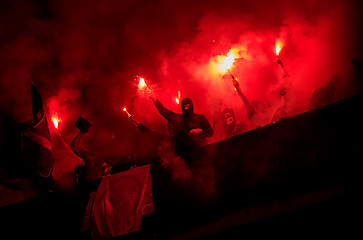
(166,113)
(76,148)
(250,110)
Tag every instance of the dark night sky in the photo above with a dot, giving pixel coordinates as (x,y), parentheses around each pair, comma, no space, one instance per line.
(85,55)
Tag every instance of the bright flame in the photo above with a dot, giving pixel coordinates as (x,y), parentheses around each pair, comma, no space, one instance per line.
(225,62)
(278,47)
(142,83)
(124,109)
(177,100)
(55,122)
(179,94)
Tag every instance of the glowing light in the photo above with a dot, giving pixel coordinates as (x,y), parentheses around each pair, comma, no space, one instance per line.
(143,88)
(125,110)
(177,99)
(142,83)
(55,121)
(278,47)
(225,62)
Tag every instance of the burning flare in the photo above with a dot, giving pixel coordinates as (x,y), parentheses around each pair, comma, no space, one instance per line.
(142,83)
(278,47)
(224,63)
(125,110)
(55,121)
(144,88)
(177,99)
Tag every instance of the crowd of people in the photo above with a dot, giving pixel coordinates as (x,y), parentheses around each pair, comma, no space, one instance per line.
(186,131)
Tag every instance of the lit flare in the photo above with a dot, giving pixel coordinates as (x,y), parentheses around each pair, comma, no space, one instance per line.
(142,83)
(177,99)
(278,47)
(55,121)
(125,110)
(226,62)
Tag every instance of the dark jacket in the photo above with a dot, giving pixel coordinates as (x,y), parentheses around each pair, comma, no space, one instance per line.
(184,124)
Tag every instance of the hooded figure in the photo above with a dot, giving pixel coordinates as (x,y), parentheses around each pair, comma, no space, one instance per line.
(231,126)
(192,129)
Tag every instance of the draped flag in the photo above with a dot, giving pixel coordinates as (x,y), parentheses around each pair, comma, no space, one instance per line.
(36,140)
(119,203)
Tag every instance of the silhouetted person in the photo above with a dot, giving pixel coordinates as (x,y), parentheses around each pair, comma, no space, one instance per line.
(94,163)
(231,126)
(191,129)
(80,173)
(256,110)
(166,192)
(281,112)
(327,94)
(26,160)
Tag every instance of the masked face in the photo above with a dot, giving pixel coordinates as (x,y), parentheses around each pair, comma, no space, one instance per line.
(228,118)
(187,106)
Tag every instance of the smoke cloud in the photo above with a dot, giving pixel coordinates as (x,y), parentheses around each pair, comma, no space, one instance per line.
(85,57)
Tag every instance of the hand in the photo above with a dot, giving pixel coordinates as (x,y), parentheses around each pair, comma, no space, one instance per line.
(235,83)
(195,131)
(83,124)
(136,123)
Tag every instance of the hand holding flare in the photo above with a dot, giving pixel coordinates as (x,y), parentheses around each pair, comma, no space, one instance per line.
(128,114)
(278,60)
(55,121)
(136,123)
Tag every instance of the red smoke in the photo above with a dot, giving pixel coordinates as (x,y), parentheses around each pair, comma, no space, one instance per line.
(84,56)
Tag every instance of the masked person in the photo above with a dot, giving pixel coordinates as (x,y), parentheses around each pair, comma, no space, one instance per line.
(256,110)
(231,126)
(192,129)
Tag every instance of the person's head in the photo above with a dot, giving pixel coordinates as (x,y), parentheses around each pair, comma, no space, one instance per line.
(80,170)
(228,115)
(187,106)
(80,173)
